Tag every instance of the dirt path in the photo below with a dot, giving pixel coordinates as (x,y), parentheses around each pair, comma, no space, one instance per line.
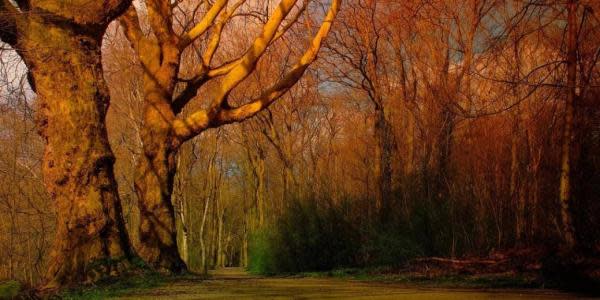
(233,283)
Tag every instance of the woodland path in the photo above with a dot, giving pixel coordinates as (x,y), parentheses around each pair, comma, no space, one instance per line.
(234,283)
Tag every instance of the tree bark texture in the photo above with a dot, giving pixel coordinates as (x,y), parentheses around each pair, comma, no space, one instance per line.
(65,62)
(154,186)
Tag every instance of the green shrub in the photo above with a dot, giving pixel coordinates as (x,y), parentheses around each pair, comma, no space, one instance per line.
(9,289)
(311,238)
(317,235)
(261,253)
(305,238)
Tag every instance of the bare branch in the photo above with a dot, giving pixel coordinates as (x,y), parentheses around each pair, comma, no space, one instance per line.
(204,24)
(202,119)
(292,21)
(193,85)
(215,38)
(248,62)
(288,81)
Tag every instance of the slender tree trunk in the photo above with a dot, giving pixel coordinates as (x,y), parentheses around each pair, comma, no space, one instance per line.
(383,131)
(260,191)
(516,193)
(183,210)
(90,239)
(185,234)
(244,250)
(202,235)
(568,132)
(214,237)
(219,214)
(410,143)
(257,163)
(288,185)
(444,153)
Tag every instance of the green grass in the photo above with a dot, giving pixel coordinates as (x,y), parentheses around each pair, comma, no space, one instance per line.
(129,285)
(141,279)
(503,280)
(114,287)
(476,281)
(9,289)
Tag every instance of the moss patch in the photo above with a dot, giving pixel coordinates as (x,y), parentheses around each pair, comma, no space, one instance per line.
(9,289)
(113,287)
(127,285)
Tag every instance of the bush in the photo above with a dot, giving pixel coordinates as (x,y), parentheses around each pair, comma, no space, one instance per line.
(9,289)
(311,238)
(304,239)
(261,253)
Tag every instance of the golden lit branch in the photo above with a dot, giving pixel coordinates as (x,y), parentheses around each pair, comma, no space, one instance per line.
(147,49)
(248,63)
(288,81)
(292,21)
(131,26)
(195,83)
(228,66)
(200,120)
(215,38)
(204,24)
(224,68)
(159,17)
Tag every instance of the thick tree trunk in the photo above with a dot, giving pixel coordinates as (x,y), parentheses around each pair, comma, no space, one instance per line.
(154,186)
(90,240)
(156,169)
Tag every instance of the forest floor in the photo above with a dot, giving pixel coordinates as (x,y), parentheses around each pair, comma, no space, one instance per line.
(235,283)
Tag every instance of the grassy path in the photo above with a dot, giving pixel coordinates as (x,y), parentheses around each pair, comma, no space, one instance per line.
(233,283)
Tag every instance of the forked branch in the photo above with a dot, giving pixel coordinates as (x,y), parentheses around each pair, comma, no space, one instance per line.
(201,120)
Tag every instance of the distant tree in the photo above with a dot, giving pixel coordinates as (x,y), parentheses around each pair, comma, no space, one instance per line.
(566,194)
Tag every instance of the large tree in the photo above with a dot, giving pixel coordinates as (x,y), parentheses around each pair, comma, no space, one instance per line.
(60,45)
(165,128)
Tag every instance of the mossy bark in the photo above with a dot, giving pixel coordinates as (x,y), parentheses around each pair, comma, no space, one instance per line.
(65,62)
